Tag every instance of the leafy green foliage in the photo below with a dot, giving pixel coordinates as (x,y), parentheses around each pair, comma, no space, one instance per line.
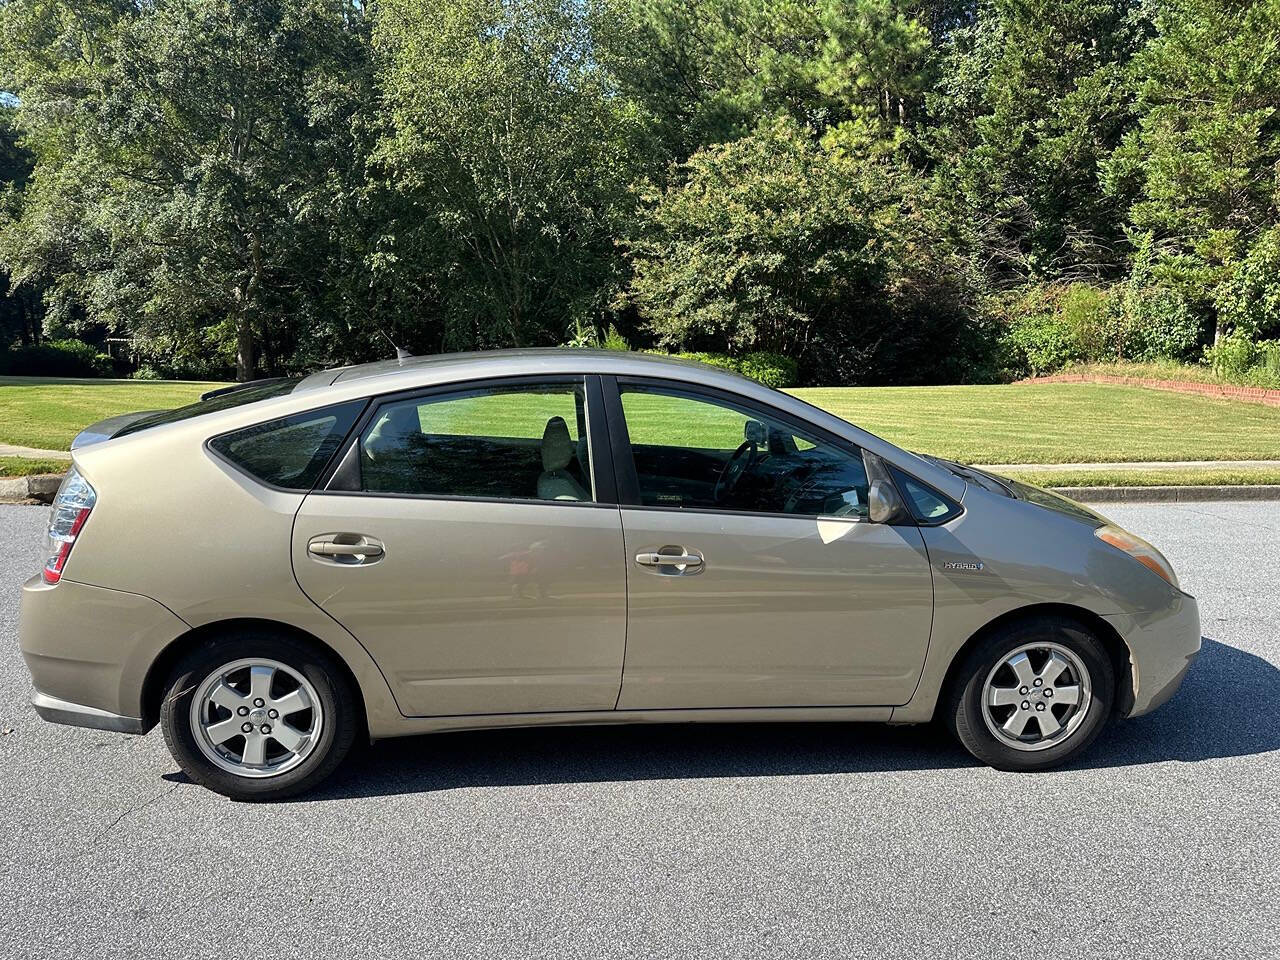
(822,251)
(55,358)
(511,158)
(884,191)
(771,369)
(1237,359)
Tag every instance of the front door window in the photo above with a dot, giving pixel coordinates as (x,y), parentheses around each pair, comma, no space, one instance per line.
(697,452)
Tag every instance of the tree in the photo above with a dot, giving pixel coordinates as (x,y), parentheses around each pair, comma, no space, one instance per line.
(823,252)
(19,313)
(707,71)
(1030,98)
(511,156)
(1203,163)
(178,155)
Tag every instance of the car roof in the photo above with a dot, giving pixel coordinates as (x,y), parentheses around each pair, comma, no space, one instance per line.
(517,361)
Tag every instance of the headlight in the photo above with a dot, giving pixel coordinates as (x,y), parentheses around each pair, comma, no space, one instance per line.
(1140,550)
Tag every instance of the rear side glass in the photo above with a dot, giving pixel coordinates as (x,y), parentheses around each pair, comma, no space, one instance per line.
(511,442)
(290,452)
(926,504)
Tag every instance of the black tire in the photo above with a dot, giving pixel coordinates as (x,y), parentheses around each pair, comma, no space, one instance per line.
(336,697)
(963,704)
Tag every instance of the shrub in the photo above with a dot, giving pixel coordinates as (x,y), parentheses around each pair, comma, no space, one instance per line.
(771,369)
(1238,359)
(56,358)
(1158,325)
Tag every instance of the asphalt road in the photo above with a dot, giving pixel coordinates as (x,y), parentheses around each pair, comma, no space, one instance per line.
(683,842)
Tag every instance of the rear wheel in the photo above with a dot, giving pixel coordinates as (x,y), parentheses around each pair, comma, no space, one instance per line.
(258,716)
(1033,694)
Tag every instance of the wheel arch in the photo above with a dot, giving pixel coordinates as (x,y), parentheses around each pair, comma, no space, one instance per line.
(1117,650)
(167,659)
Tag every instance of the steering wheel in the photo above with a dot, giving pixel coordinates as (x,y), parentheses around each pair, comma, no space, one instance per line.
(742,460)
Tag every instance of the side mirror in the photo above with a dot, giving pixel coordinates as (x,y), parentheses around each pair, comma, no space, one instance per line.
(756,432)
(883,502)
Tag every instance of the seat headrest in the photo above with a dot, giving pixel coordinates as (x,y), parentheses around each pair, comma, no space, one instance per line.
(392,431)
(557,448)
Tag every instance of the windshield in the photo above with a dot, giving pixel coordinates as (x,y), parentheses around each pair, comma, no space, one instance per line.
(222,400)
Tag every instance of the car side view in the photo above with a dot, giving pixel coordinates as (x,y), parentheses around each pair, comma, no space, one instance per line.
(545,537)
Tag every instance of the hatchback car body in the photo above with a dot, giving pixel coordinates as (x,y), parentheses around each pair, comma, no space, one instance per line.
(565,537)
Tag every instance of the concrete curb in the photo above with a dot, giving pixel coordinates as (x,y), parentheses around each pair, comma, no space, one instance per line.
(1170,494)
(42,487)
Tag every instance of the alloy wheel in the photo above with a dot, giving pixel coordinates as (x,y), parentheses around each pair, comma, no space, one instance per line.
(256,717)
(1036,696)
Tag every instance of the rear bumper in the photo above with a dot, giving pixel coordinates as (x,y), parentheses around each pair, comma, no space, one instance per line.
(78,715)
(89,650)
(1162,646)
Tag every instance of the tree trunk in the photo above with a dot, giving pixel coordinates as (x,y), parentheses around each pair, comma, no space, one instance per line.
(244,350)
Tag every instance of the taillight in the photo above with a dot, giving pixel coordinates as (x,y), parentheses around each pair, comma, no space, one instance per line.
(70,510)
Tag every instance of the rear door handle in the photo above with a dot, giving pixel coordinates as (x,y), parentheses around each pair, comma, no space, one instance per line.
(345,548)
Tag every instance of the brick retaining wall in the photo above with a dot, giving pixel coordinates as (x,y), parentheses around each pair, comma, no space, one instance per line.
(1250,394)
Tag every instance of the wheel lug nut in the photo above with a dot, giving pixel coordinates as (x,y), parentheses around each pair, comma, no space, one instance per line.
(1048,691)
(1026,705)
(273,714)
(258,701)
(243,711)
(1039,706)
(265,728)
(1038,681)
(246,727)
(1023,690)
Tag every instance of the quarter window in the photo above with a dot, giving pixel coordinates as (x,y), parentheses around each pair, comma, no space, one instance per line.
(519,442)
(290,452)
(697,452)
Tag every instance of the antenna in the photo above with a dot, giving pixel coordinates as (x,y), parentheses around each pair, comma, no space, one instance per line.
(401,354)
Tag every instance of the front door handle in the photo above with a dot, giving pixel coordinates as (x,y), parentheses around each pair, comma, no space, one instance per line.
(345,548)
(671,560)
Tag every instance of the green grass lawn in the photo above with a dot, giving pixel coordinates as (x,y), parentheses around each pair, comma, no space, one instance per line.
(1058,423)
(27,466)
(47,413)
(1050,423)
(1174,477)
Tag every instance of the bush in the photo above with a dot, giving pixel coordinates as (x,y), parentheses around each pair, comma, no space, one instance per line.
(771,369)
(1238,359)
(1050,327)
(56,358)
(1159,325)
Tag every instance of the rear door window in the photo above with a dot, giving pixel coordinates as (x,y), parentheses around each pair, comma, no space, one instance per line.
(290,452)
(511,442)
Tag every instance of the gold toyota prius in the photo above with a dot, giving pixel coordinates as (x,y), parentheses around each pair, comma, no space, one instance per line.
(564,537)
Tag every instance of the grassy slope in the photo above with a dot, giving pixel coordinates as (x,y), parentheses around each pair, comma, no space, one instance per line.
(1052,423)
(1058,423)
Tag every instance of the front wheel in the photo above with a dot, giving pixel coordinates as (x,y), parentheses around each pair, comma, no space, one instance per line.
(257,716)
(1032,695)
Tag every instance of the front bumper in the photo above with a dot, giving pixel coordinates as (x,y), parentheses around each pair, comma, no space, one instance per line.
(1162,646)
(89,650)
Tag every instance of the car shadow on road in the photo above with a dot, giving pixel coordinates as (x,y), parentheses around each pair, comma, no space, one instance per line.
(1224,709)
